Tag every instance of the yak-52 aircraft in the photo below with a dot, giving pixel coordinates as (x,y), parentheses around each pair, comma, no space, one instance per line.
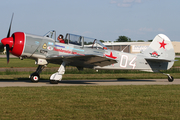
(84,52)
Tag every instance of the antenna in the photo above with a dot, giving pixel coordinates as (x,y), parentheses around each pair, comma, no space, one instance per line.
(125,48)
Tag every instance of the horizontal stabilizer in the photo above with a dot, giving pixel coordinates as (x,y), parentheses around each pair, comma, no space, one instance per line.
(159,60)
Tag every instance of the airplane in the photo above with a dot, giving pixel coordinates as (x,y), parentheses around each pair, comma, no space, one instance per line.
(84,52)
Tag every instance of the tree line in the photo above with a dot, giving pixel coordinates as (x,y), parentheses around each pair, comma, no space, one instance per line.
(127,39)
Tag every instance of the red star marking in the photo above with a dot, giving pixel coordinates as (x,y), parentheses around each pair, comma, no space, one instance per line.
(111,56)
(162,44)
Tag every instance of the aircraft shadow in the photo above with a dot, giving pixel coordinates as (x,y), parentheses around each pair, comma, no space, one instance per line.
(27,80)
(135,80)
(97,81)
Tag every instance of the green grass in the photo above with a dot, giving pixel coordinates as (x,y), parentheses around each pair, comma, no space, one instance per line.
(91,102)
(177,63)
(88,102)
(15,62)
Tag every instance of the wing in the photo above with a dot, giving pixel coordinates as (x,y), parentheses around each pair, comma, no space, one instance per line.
(87,60)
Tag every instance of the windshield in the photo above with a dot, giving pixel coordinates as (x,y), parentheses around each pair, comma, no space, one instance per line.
(51,34)
(99,45)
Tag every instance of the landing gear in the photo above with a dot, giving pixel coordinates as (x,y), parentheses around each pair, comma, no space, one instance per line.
(35,76)
(170,78)
(56,77)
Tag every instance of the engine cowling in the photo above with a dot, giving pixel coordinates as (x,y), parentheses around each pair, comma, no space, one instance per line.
(16,43)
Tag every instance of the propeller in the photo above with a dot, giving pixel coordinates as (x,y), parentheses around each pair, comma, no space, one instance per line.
(9,31)
(7,43)
(7,53)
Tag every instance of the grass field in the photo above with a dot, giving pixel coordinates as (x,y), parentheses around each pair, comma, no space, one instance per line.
(91,102)
(88,102)
(15,62)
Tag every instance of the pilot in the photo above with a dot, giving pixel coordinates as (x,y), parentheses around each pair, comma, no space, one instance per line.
(60,38)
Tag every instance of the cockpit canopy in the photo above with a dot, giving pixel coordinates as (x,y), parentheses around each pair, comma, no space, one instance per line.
(84,41)
(78,40)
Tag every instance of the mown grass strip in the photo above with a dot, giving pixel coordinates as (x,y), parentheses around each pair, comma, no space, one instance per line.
(73,70)
(15,62)
(91,102)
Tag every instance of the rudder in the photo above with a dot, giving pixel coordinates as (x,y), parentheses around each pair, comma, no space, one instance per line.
(160,47)
(160,50)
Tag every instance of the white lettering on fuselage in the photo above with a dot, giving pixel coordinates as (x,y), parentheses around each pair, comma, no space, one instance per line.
(124,62)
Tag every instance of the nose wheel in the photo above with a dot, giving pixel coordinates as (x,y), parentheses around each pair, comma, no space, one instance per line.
(34,77)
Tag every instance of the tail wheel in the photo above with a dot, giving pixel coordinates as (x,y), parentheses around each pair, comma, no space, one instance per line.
(170,78)
(34,77)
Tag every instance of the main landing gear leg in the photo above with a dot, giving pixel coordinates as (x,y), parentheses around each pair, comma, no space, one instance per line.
(56,77)
(35,75)
(170,78)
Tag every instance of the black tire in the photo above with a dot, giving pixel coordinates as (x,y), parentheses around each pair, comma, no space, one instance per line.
(34,77)
(54,81)
(170,79)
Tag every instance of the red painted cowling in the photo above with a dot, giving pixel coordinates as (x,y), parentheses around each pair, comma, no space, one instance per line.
(15,42)
(18,46)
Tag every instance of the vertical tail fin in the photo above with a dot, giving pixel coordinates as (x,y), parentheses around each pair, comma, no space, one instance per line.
(160,50)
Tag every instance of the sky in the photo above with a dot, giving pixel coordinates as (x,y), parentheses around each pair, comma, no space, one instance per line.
(100,19)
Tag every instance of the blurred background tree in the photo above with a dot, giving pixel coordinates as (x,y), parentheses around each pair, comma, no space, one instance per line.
(123,39)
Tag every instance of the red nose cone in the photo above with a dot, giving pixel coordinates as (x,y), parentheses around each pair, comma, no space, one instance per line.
(8,41)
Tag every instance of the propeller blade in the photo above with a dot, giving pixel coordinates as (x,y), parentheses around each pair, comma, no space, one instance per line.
(7,53)
(9,31)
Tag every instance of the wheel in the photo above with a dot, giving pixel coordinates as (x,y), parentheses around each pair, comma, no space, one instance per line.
(54,81)
(170,78)
(34,77)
